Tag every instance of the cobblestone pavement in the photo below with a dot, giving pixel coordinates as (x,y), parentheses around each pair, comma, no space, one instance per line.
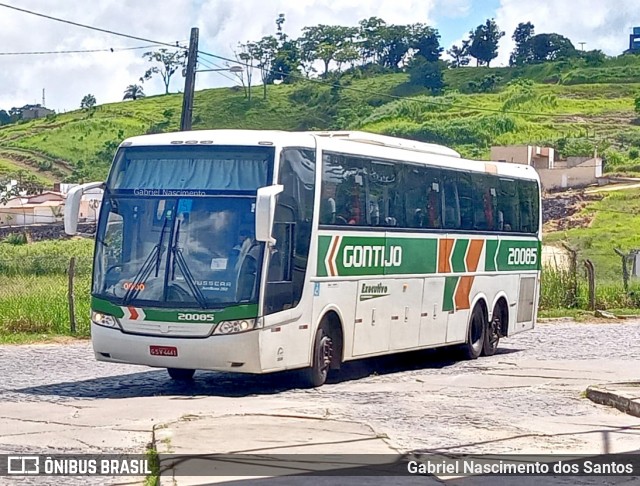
(524,399)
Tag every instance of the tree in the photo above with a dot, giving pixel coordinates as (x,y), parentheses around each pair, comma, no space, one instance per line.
(20,182)
(551,47)
(522,54)
(263,52)
(170,62)
(637,105)
(133,92)
(593,58)
(287,56)
(5,118)
(246,59)
(395,43)
(427,74)
(484,42)
(322,42)
(460,55)
(89,101)
(371,32)
(425,41)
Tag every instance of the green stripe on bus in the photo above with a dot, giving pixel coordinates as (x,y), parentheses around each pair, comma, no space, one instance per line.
(242,311)
(349,256)
(449,289)
(376,255)
(459,252)
(518,255)
(490,256)
(323,249)
(106,307)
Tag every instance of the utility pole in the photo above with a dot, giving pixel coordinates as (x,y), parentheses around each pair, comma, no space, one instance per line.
(582,45)
(189,82)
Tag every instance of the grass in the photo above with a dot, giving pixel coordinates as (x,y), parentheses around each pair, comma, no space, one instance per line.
(616,224)
(600,107)
(33,290)
(153,460)
(39,305)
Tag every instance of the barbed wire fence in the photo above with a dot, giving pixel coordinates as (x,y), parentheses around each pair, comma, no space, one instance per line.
(570,280)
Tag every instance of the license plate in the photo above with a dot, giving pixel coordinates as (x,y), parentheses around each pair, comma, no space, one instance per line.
(163,350)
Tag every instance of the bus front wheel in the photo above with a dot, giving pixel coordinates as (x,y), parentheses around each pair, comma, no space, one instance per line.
(316,374)
(180,374)
(475,337)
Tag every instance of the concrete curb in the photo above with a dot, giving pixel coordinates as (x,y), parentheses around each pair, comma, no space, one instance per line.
(617,395)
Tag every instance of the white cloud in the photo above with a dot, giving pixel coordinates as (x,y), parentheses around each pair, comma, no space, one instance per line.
(222,23)
(67,78)
(603,25)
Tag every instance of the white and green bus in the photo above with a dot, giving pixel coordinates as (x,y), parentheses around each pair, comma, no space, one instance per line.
(260,251)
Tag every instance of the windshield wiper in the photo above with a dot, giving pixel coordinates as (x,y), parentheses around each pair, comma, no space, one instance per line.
(184,268)
(145,270)
(159,253)
(141,276)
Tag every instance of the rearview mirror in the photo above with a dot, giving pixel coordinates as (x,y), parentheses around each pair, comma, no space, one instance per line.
(265,211)
(72,205)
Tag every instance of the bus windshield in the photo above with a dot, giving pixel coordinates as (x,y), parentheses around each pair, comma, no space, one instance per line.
(174,232)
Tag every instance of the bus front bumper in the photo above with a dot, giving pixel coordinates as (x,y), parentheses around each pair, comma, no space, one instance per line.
(235,352)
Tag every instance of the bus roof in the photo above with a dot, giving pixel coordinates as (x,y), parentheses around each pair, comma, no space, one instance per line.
(351,142)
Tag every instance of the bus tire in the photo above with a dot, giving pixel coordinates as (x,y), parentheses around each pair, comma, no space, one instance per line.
(316,374)
(181,374)
(493,332)
(475,334)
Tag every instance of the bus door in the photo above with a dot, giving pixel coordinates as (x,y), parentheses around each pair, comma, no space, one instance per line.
(374,309)
(433,319)
(405,315)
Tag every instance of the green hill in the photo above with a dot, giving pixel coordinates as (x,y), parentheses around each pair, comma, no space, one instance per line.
(573,107)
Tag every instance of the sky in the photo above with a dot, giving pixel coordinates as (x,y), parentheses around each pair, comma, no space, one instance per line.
(66,78)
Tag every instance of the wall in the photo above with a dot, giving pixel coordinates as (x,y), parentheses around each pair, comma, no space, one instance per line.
(520,154)
(581,175)
(45,231)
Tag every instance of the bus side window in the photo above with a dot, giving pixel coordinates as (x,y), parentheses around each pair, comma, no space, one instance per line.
(528,196)
(508,205)
(465,201)
(450,203)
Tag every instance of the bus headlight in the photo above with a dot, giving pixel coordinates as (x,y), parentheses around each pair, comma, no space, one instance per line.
(104,320)
(233,327)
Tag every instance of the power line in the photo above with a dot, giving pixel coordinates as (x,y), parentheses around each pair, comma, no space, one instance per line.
(78,51)
(215,66)
(90,27)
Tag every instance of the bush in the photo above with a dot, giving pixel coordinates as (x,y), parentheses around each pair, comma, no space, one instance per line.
(16,239)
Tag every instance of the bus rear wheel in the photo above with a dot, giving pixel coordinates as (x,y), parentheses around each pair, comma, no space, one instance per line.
(180,374)
(475,336)
(316,374)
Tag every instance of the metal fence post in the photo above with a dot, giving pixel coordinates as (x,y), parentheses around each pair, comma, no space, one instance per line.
(591,276)
(72,314)
(572,292)
(625,270)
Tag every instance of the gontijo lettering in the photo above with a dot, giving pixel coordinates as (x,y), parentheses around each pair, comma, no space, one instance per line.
(371,256)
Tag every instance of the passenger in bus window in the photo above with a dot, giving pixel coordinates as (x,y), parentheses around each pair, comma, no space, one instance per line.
(354,215)
(328,211)
(374,211)
(419,218)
